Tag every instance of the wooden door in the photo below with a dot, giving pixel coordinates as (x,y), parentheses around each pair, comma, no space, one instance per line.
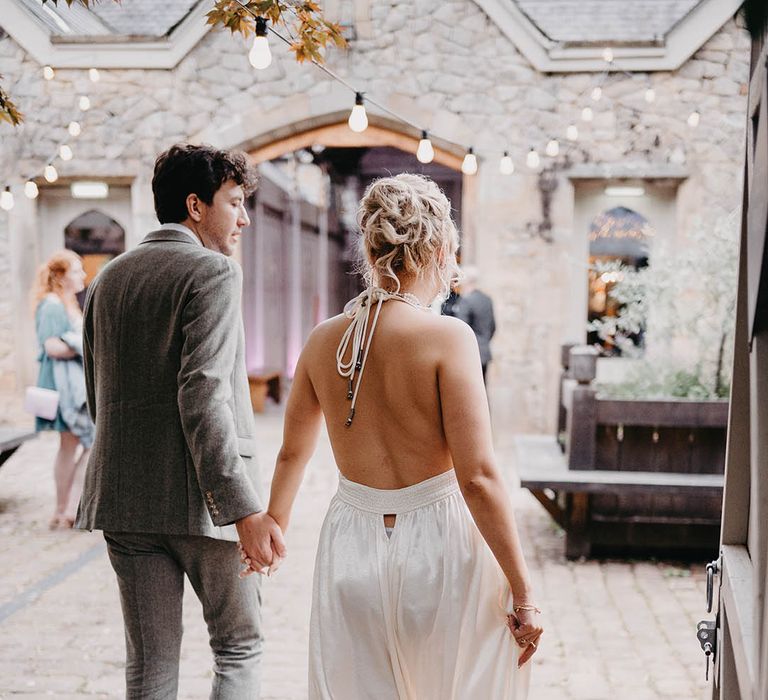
(741,660)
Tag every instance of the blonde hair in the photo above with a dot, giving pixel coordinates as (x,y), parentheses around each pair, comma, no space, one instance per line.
(50,277)
(406,228)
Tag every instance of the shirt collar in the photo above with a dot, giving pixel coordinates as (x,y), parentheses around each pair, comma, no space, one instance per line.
(181,229)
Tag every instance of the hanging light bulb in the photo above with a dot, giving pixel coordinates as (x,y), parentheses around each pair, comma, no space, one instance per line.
(74,128)
(553,148)
(469,164)
(587,114)
(84,103)
(572,132)
(30,189)
(506,166)
(608,54)
(532,160)
(50,173)
(94,75)
(48,73)
(6,199)
(650,95)
(693,119)
(260,56)
(358,119)
(424,153)
(65,152)
(597,93)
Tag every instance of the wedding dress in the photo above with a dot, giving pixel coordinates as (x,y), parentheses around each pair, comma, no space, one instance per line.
(418,613)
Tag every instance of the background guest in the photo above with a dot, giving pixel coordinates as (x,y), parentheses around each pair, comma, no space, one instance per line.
(58,323)
(475,308)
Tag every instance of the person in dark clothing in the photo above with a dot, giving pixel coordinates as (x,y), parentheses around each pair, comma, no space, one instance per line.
(476,309)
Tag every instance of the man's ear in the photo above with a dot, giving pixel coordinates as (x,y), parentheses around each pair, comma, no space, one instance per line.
(193,207)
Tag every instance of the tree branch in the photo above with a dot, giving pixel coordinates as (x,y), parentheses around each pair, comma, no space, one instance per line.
(313,33)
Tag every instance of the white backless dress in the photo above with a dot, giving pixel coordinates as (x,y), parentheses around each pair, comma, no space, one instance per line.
(418,614)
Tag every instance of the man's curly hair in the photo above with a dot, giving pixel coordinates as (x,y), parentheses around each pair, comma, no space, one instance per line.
(185,169)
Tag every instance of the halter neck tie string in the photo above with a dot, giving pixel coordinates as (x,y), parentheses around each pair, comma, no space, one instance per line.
(360,339)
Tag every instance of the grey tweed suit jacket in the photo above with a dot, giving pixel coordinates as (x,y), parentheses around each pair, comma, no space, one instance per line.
(164,359)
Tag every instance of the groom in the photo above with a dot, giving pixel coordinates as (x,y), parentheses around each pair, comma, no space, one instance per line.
(172,475)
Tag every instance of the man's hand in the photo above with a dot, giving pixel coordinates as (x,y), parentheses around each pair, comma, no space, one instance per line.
(261,542)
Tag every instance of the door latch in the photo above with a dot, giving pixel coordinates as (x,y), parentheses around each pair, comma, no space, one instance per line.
(706,633)
(712,570)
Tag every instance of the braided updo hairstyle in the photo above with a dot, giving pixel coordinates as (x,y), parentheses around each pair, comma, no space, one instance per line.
(406,228)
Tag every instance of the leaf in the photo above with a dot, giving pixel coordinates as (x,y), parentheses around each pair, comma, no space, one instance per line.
(8,110)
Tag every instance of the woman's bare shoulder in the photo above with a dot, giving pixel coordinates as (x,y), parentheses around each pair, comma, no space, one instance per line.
(325,333)
(451,329)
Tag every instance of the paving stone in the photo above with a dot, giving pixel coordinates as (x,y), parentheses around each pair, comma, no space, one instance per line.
(603,619)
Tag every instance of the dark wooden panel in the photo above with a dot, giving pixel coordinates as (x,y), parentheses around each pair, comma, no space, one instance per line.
(708,451)
(663,413)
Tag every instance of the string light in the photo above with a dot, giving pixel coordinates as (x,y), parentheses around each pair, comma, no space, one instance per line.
(6,199)
(30,189)
(532,160)
(553,148)
(358,119)
(260,57)
(506,166)
(425,153)
(469,164)
(572,132)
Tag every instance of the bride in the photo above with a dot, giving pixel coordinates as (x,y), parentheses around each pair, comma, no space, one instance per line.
(421,590)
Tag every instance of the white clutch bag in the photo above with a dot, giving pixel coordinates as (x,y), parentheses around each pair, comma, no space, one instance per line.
(41,402)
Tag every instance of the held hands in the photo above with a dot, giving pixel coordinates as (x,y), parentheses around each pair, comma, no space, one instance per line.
(526,630)
(262,547)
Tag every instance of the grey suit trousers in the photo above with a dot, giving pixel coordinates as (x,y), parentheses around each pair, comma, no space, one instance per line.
(150,572)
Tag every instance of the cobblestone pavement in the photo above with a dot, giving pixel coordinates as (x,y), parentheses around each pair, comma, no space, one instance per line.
(613,628)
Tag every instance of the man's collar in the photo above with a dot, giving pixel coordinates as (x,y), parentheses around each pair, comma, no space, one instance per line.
(182,229)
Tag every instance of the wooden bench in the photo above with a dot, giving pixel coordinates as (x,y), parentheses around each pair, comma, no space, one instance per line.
(10,441)
(262,383)
(566,495)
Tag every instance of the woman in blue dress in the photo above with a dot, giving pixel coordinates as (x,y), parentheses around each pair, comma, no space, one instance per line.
(58,323)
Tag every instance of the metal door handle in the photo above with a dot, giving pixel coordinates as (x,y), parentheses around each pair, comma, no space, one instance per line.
(712,569)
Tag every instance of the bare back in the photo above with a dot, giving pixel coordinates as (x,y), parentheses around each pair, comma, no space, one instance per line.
(397,437)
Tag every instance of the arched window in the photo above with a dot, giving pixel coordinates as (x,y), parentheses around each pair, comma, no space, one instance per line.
(97,238)
(618,236)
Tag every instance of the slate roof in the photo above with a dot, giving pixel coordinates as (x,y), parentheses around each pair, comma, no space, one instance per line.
(566,21)
(605,21)
(129,18)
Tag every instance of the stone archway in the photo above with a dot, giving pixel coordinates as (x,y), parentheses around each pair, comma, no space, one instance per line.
(289,233)
(96,237)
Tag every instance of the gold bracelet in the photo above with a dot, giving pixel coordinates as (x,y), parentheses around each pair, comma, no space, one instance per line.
(532,608)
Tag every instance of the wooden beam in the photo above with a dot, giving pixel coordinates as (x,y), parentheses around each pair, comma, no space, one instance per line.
(605,481)
(341,136)
(664,413)
(551,506)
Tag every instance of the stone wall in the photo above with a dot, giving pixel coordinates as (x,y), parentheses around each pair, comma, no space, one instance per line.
(444,65)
